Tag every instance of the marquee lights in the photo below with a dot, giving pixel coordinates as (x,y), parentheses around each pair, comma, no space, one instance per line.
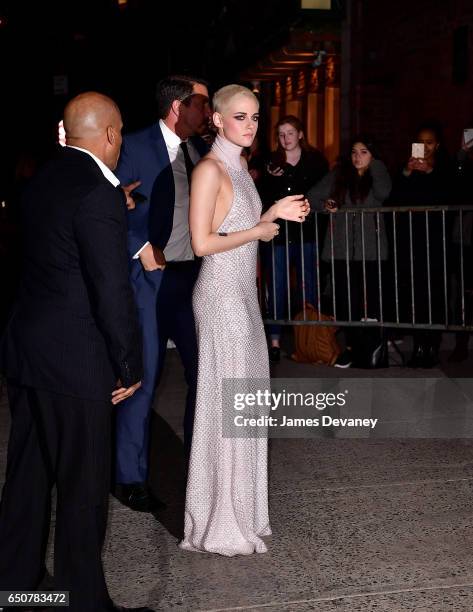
(324,5)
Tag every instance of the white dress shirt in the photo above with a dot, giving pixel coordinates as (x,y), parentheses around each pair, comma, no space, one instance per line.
(178,247)
(108,174)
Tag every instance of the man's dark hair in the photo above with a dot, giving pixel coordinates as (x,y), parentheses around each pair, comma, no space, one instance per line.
(175,87)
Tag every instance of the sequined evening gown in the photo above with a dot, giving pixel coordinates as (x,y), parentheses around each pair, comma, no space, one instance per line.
(227,490)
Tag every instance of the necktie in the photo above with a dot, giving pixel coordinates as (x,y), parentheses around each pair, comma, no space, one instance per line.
(187,160)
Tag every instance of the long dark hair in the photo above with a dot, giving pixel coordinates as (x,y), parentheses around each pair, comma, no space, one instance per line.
(347,179)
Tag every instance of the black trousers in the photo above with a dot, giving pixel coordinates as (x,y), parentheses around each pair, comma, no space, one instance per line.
(176,321)
(62,441)
(356,290)
(359,339)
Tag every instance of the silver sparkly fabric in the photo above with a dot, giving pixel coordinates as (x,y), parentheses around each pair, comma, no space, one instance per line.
(227,490)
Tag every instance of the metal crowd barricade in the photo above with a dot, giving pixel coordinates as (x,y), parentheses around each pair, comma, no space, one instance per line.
(455,316)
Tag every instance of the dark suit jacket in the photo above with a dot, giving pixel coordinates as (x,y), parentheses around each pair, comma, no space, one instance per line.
(74,329)
(144,157)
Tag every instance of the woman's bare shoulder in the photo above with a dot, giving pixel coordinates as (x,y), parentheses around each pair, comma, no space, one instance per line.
(209,165)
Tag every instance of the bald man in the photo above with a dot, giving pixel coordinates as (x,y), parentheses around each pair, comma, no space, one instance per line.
(72,350)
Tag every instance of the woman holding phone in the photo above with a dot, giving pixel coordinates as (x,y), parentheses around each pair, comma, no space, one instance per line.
(424,181)
(293,168)
(360,179)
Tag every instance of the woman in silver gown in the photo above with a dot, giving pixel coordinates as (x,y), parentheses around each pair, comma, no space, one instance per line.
(227,491)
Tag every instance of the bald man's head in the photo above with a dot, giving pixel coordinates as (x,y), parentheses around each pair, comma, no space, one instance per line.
(93,121)
(88,114)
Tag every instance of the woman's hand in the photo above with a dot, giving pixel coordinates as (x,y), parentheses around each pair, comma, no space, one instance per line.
(418,164)
(266,230)
(292,208)
(274,170)
(331,205)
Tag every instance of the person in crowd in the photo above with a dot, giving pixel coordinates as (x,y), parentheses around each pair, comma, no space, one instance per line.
(71,352)
(424,181)
(461,249)
(163,267)
(293,168)
(359,180)
(227,491)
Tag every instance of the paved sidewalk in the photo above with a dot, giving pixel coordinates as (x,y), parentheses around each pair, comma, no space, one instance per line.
(358,525)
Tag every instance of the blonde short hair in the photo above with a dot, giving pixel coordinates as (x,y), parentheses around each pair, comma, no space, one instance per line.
(223,96)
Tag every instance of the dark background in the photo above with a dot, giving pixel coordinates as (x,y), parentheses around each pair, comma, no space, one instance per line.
(121,52)
(400,63)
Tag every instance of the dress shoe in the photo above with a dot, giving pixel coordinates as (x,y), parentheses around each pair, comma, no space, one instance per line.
(139,498)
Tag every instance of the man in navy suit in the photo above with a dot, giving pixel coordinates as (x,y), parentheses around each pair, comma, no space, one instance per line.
(163,267)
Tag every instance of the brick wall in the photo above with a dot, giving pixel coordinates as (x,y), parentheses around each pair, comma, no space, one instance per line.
(402,71)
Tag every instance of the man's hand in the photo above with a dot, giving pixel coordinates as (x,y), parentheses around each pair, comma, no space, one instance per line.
(123,393)
(130,202)
(152,258)
(159,258)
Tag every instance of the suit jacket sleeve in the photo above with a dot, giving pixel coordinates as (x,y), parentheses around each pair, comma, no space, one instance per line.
(136,219)
(100,230)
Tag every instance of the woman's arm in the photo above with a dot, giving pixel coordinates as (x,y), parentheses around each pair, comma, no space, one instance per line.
(291,208)
(320,192)
(205,189)
(381,180)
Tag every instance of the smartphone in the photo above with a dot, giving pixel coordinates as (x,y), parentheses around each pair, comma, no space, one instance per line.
(272,167)
(138,197)
(418,150)
(468,138)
